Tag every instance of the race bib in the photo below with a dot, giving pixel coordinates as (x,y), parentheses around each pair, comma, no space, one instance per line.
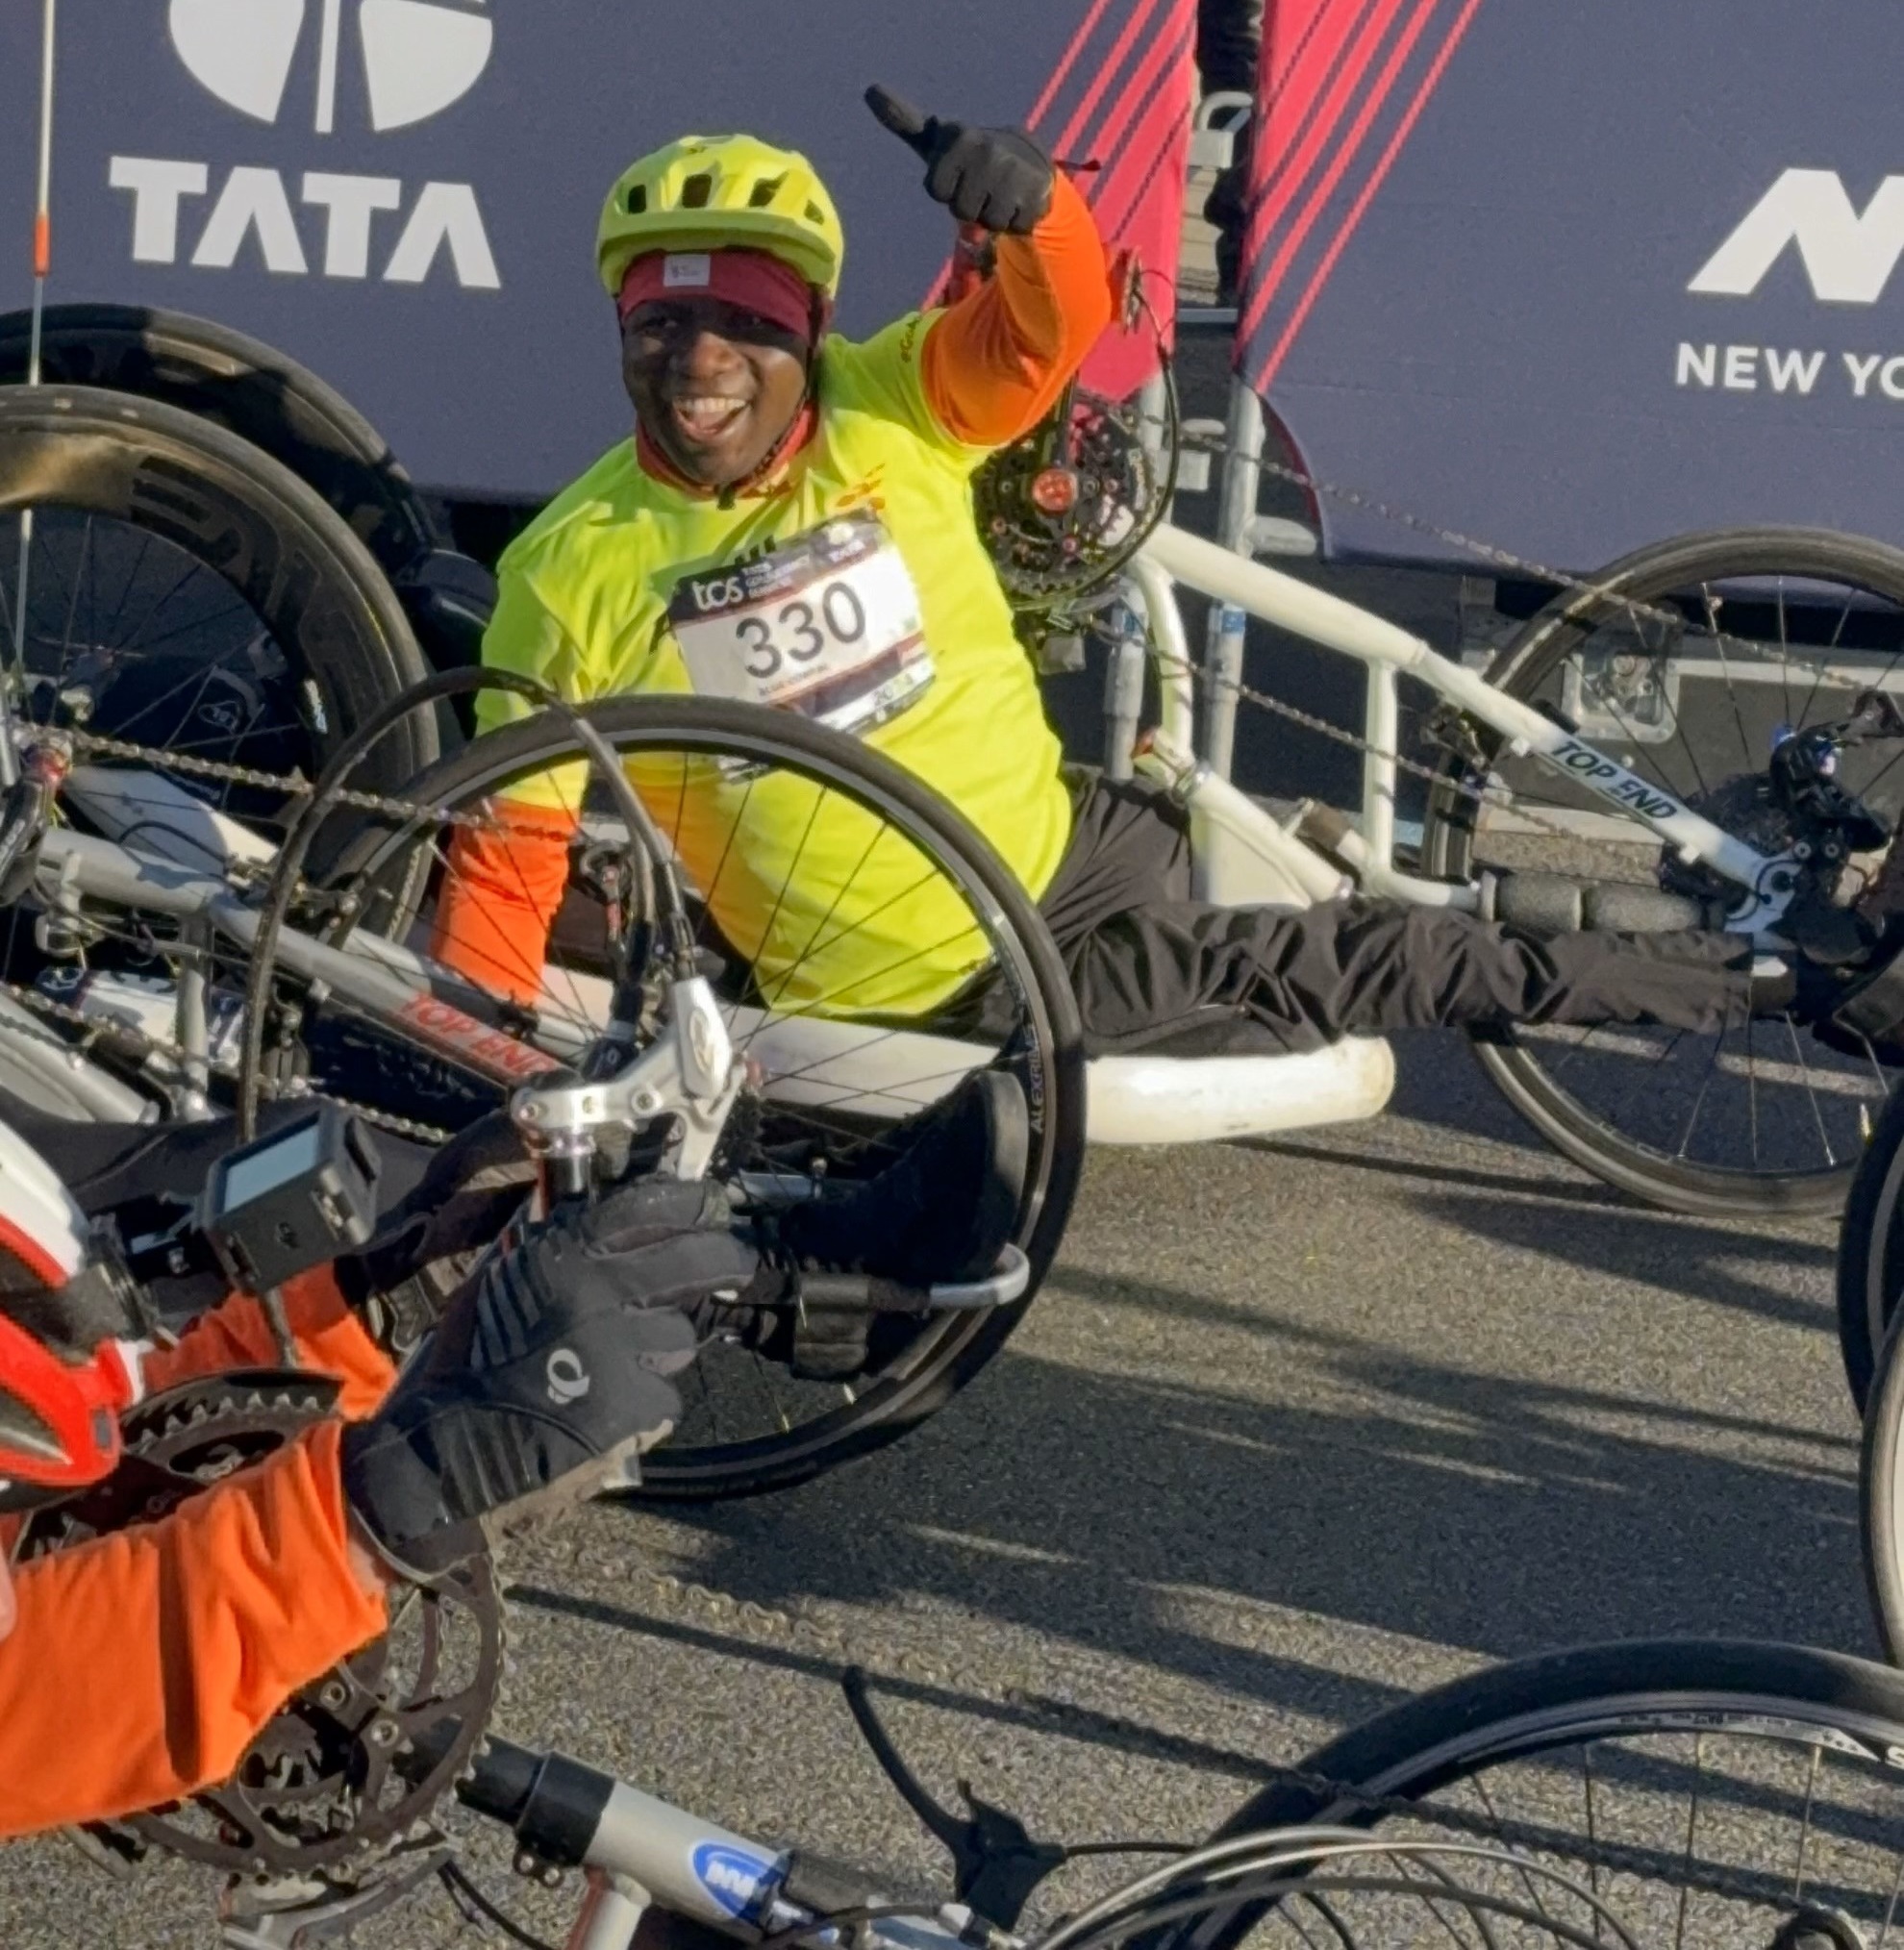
(827,626)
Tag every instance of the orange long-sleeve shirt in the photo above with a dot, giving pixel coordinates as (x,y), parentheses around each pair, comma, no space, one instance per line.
(141,1666)
(991,365)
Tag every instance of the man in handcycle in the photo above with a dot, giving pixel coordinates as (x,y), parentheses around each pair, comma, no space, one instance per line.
(791,524)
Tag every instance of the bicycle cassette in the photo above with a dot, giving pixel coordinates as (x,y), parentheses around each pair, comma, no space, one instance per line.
(1063,509)
(325,1784)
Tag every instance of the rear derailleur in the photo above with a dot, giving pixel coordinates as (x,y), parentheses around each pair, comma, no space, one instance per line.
(1799,811)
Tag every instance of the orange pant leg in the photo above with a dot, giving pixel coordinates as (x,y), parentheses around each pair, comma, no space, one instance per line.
(141,1666)
(501,896)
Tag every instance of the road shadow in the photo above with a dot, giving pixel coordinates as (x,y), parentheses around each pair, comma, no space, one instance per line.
(1356,1487)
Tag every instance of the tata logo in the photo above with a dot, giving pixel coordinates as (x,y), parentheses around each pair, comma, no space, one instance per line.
(280,61)
(1848,254)
(734,1879)
(419,57)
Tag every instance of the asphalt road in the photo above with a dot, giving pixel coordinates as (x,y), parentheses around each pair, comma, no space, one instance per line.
(1293,1429)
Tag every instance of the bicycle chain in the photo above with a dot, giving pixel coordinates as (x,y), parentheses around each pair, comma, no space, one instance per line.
(293,784)
(1501,797)
(371,1114)
(1217,448)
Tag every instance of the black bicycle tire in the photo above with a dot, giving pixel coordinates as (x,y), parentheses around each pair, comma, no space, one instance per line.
(966,1343)
(1546,1701)
(1879,1503)
(1870,1251)
(1521,665)
(248,519)
(249,387)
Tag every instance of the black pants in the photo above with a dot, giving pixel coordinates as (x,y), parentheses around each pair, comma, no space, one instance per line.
(1153,968)
(1229,38)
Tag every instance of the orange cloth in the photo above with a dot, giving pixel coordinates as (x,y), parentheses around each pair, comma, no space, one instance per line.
(501,893)
(143,1665)
(995,363)
(329,1336)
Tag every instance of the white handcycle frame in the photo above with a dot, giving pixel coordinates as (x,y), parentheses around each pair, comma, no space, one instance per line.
(1242,855)
(1388,652)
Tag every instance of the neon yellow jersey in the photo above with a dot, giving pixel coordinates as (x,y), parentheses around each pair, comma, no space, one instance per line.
(619,587)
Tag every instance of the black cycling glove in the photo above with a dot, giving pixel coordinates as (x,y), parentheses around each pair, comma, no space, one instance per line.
(427,1245)
(549,1369)
(998,179)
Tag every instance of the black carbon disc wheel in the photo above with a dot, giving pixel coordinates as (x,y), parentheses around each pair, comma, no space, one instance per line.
(1685,662)
(171,567)
(247,387)
(834,1075)
(1693,1791)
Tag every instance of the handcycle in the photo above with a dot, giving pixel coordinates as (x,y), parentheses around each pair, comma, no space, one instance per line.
(194,962)
(1634,1794)
(1696,1792)
(1646,752)
(1688,738)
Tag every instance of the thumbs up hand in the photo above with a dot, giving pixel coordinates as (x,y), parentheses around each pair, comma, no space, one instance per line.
(998,179)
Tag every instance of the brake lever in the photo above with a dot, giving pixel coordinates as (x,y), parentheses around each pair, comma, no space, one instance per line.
(1007,1282)
(996,1866)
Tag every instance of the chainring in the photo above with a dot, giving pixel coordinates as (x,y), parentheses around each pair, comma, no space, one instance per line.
(325,1786)
(1116,497)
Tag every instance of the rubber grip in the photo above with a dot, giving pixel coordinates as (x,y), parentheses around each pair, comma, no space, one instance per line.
(1558,904)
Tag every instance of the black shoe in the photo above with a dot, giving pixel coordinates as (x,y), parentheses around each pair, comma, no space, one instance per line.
(548,1372)
(944,1210)
(1847,987)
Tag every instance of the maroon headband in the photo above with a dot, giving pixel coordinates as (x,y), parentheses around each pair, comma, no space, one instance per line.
(750,279)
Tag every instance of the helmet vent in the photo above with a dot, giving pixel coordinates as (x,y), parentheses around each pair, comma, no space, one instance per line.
(814,214)
(764,192)
(637,200)
(695,191)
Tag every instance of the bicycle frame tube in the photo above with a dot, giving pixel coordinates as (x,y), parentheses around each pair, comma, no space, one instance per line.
(643,1853)
(1389,652)
(390,985)
(1176,681)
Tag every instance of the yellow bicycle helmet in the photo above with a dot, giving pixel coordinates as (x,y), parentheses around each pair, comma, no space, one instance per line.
(713,192)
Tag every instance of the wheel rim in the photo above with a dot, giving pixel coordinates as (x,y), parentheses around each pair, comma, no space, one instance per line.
(163,650)
(1688,1817)
(1767,1107)
(127,632)
(747,1417)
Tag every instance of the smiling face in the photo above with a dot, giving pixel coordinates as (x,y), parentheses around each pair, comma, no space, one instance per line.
(714,386)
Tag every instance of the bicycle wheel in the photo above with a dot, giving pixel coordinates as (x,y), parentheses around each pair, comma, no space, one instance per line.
(1685,662)
(1712,1790)
(1881,1496)
(840,1056)
(184,591)
(1870,1252)
(249,388)
(188,595)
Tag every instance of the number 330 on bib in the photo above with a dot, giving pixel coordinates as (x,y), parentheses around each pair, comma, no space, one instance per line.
(827,625)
